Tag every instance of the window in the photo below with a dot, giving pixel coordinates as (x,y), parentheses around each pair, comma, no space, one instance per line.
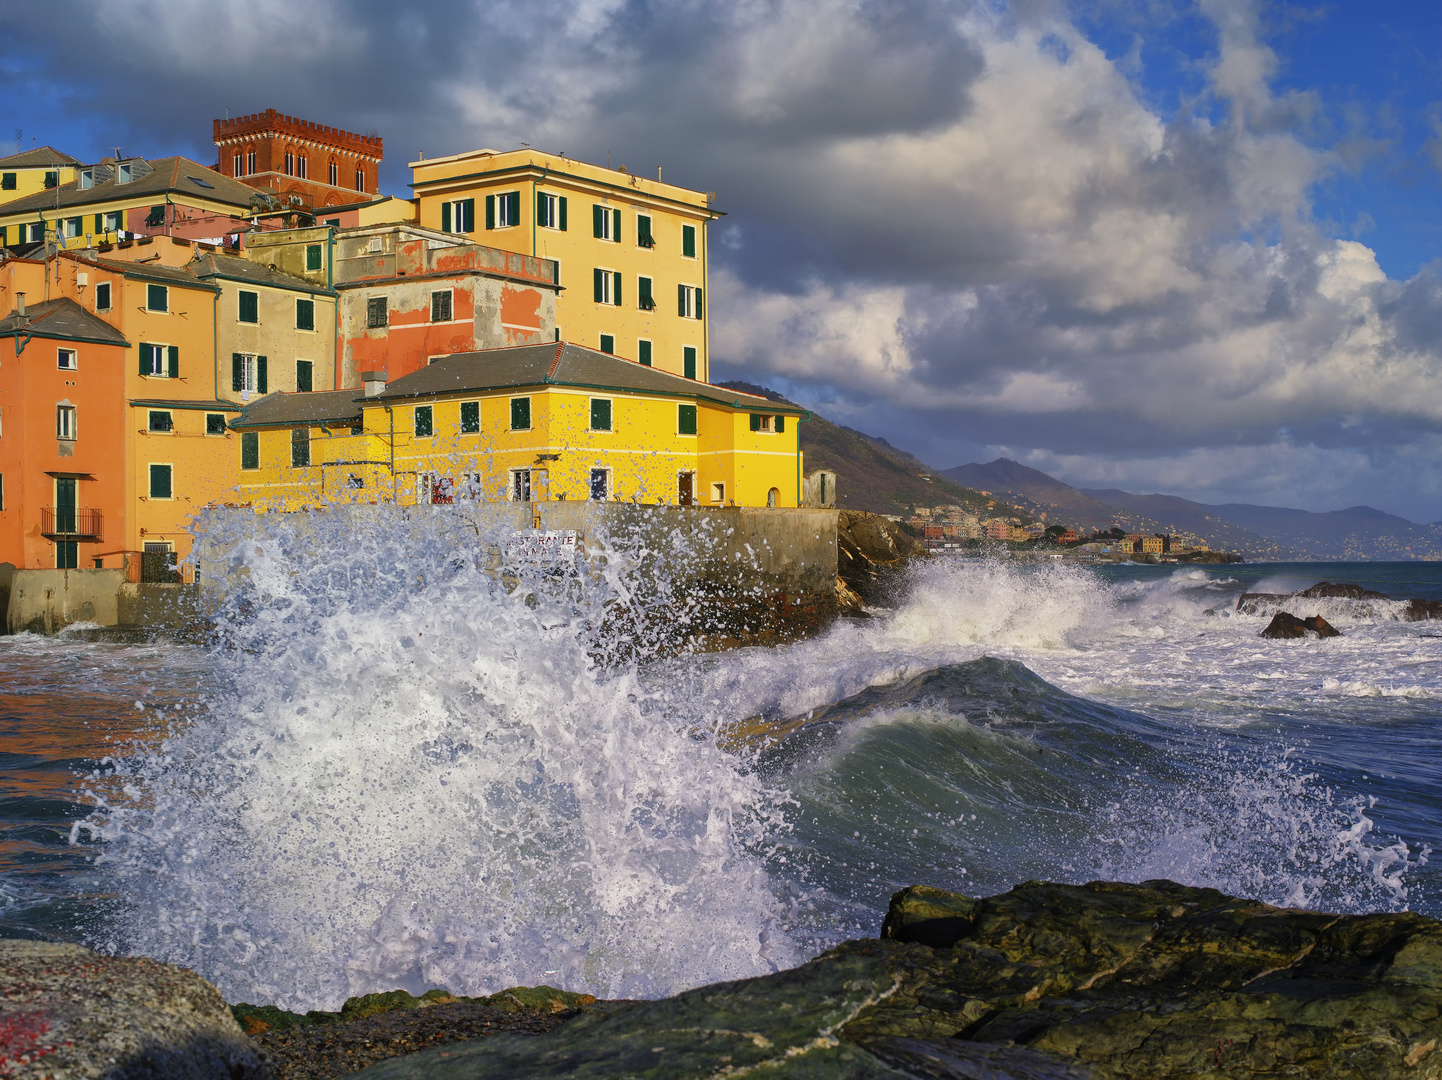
(643,231)
(718,493)
(157,298)
(685,488)
(551,211)
(249,307)
(521,485)
(122,173)
(521,414)
(65,359)
(160,361)
(600,484)
(73,226)
(87,179)
(312,257)
(102,296)
(299,447)
(607,286)
(773,497)
(7,181)
(688,301)
(52,178)
(65,422)
(643,352)
(249,162)
(688,361)
(441,306)
(354,482)
(239,169)
(113,221)
(644,300)
(160,482)
(305,314)
(248,373)
(156,217)
(458,216)
(470,417)
(376,312)
(67,554)
(606,223)
(215,423)
(686,419)
(763,422)
(425,421)
(608,343)
(160,421)
(334,174)
(688,241)
(289,163)
(250,449)
(302,166)
(600,414)
(303,383)
(503,211)
(360,180)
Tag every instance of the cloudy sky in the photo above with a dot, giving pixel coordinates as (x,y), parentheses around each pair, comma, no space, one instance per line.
(1154,244)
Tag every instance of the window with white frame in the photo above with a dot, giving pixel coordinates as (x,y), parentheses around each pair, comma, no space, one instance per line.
(65,422)
(102,296)
(65,359)
(334,174)
(302,166)
(238,163)
(289,163)
(360,180)
(551,211)
(688,301)
(441,306)
(458,216)
(520,485)
(114,221)
(250,163)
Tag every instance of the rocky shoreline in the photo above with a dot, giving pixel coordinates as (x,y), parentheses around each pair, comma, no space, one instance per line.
(1108,981)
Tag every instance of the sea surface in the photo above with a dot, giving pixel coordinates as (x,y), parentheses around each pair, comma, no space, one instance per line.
(389,766)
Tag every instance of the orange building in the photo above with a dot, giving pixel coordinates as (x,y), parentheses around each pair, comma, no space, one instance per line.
(307,164)
(62,438)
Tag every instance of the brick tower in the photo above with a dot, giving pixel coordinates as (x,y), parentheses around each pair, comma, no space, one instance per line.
(307,164)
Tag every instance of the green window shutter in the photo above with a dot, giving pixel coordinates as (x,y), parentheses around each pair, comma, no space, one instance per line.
(425,421)
(470,417)
(303,376)
(616,288)
(681,300)
(562,201)
(688,241)
(249,307)
(598,220)
(305,314)
(514,217)
(160,481)
(781,425)
(173,367)
(445,217)
(312,257)
(260,384)
(644,353)
(237,372)
(698,301)
(144,358)
(250,449)
(156,298)
(469,206)
(643,294)
(490,211)
(688,361)
(99,223)
(686,419)
(520,413)
(755,422)
(600,414)
(616,225)
(541,211)
(600,284)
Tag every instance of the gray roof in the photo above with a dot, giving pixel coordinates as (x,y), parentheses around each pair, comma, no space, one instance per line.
(560,364)
(316,407)
(209,264)
(34,159)
(212,405)
(173,174)
(151,271)
(62,318)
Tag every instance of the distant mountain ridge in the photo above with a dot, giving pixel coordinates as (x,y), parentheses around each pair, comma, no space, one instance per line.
(1257,532)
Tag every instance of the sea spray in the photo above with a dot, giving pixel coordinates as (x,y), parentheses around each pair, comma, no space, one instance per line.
(411,771)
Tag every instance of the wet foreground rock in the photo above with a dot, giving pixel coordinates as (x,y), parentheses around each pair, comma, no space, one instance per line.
(1286,625)
(1046,982)
(68,1013)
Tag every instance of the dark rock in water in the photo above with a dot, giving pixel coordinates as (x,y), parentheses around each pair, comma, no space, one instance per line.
(1249,603)
(1112,981)
(1418,609)
(68,1012)
(1342,590)
(871,554)
(1286,625)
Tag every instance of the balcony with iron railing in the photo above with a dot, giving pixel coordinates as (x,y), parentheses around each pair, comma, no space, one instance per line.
(71,523)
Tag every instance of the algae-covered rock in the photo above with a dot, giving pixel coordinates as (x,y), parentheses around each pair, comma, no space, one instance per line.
(1113,981)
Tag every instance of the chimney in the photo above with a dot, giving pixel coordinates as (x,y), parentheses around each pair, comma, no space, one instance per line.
(20,303)
(375,382)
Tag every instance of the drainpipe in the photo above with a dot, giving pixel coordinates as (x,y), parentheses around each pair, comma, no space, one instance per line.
(706,285)
(335,303)
(391,420)
(215,339)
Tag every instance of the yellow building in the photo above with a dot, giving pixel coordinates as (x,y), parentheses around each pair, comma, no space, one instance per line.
(631,252)
(530,423)
(35,171)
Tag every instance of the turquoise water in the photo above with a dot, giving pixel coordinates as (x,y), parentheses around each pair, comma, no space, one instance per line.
(393,770)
